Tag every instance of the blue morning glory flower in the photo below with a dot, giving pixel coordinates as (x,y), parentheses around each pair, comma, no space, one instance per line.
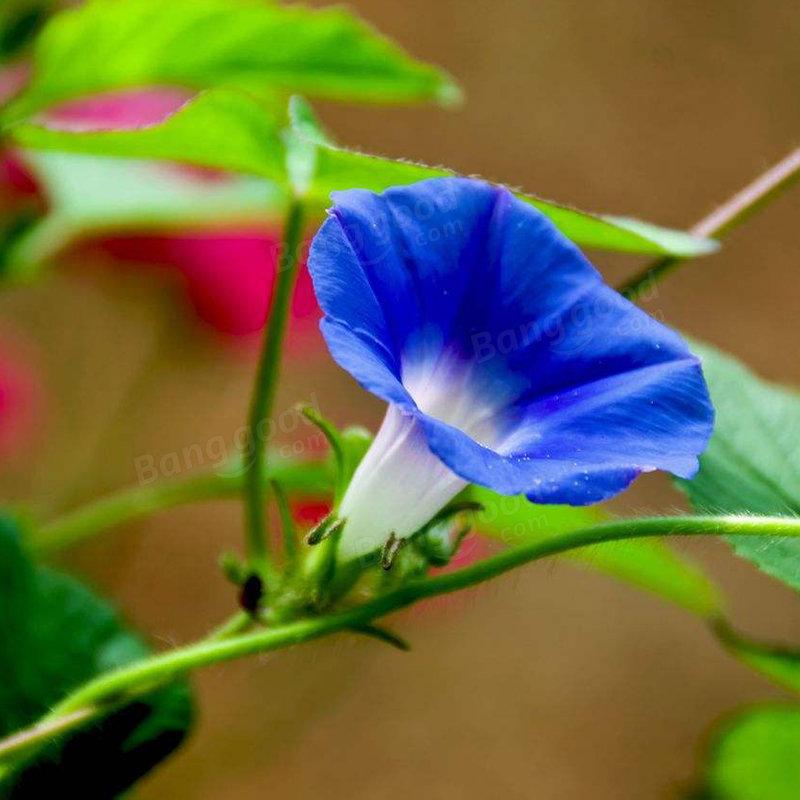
(504,357)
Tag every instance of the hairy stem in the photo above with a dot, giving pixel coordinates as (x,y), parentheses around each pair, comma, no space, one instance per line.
(729,215)
(21,744)
(124,683)
(265,386)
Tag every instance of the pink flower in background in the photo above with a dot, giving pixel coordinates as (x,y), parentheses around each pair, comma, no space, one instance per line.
(310,512)
(228,273)
(20,401)
(15,179)
(117,110)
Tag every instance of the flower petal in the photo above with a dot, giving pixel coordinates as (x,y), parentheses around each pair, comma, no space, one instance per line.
(590,444)
(543,480)
(375,276)
(366,360)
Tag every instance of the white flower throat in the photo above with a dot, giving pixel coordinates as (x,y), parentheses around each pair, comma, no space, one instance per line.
(400,484)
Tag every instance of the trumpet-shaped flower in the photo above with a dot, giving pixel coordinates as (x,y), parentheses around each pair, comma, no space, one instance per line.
(504,357)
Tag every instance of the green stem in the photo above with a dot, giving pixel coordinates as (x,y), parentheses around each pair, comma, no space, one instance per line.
(137,502)
(22,743)
(238,623)
(26,742)
(126,682)
(265,386)
(726,217)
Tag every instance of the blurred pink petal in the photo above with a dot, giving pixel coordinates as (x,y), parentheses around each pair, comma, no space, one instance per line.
(125,110)
(309,512)
(20,401)
(117,110)
(228,276)
(16,180)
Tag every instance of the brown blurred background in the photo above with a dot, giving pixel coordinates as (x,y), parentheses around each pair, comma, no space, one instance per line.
(553,684)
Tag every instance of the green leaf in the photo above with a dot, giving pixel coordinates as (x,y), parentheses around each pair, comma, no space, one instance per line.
(55,635)
(108,45)
(221,129)
(339,169)
(778,663)
(670,242)
(95,193)
(647,564)
(232,131)
(19,22)
(756,756)
(88,195)
(752,464)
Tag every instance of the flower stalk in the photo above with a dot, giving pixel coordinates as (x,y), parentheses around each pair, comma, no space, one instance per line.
(264,392)
(732,213)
